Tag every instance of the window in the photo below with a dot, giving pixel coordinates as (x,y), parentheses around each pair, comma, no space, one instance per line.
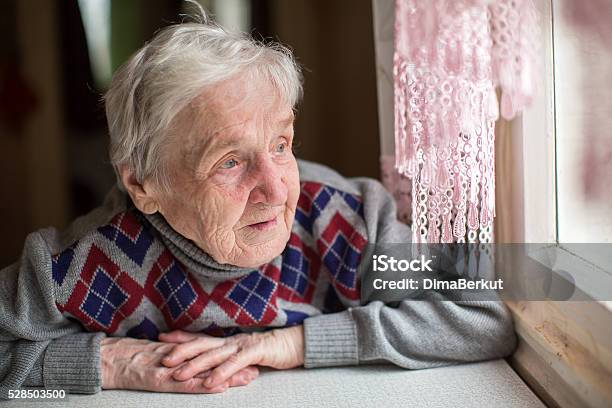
(543,197)
(550,146)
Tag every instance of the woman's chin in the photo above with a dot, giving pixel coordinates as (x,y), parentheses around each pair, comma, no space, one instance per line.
(255,255)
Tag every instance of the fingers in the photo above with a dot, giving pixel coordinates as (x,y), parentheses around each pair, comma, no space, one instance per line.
(241,378)
(193,386)
(177,336)
(196,385)
(186,351)
(159,379)
(244,376)
(203,375)
(216,390)
(231,366)
(206,361)
(163,348)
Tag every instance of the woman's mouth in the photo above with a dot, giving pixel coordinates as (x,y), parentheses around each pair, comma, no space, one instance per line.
(265,225)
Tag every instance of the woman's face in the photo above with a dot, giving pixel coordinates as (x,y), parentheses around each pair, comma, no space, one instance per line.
(234,179)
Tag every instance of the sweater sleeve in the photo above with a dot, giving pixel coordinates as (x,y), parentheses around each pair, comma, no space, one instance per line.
(412,334)
(39,347)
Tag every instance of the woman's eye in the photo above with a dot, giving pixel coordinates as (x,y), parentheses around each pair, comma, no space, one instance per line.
(281,147)
(228,164)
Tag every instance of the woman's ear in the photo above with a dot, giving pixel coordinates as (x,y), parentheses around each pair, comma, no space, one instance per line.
(142,195)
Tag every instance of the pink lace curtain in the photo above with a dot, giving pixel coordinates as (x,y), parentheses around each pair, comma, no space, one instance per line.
(450,55)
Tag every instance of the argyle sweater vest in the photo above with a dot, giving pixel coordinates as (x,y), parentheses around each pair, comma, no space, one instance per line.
(122,278)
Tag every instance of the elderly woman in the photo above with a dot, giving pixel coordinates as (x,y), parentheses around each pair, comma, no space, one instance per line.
(218,251)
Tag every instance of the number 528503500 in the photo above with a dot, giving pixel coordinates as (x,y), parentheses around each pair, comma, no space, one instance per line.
(36,394)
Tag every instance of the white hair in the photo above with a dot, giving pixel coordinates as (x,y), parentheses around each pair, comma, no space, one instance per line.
(169,72)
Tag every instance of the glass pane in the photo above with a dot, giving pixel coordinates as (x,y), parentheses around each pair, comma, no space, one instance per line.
(583,68)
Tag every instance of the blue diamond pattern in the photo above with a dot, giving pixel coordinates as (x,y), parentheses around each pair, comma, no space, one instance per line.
(176,290)
(332,302)
(322,199)
(103,299)
(137,250)
(255,306)
(239,295)
(145,330)
(353,202)
(294,317)
(342,261)
(61,263)
(294,272)
(252,293)
(320,202)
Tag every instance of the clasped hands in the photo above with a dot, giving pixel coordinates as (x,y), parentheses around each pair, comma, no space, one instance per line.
(195,362)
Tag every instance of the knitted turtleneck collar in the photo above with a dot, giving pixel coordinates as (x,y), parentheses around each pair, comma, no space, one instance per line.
(191,255)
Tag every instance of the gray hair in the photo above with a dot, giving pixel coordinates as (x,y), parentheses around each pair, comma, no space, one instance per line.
(169,72)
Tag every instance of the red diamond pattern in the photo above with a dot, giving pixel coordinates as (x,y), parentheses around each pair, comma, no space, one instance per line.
(192,310)
(239,313)
(98,263)
(104,295)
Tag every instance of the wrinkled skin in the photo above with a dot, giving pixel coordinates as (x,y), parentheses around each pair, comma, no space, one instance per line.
(229,357)
(234,187)
(234,179)
(136,364)
(195,362)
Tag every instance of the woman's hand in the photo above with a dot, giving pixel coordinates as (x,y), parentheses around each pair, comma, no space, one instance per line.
(225,357)
(136,364)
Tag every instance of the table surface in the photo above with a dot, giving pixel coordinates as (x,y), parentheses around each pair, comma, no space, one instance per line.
(486,384)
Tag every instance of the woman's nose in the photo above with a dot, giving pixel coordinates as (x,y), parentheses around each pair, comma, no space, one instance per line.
(270,187)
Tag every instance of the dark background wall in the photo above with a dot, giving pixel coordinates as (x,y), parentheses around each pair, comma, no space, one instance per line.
(53,137)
